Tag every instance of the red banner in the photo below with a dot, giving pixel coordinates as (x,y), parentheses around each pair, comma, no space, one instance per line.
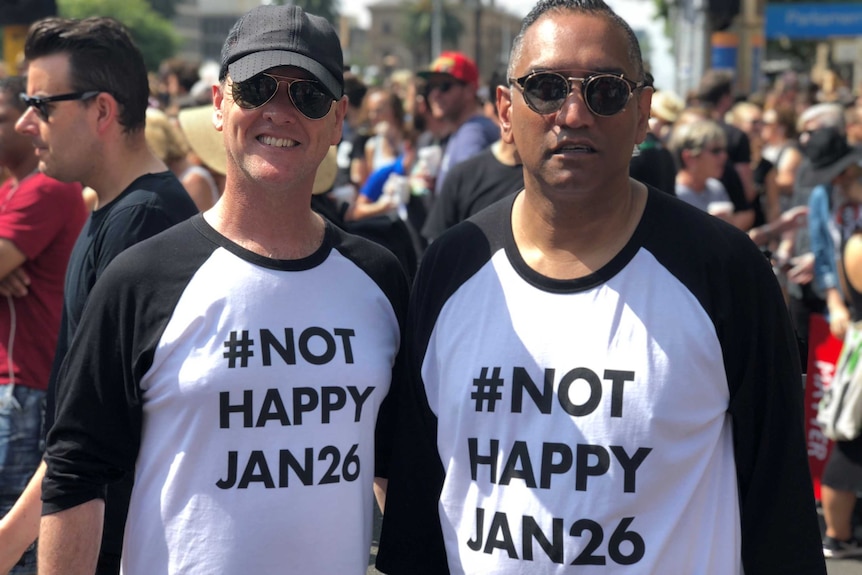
(823,351)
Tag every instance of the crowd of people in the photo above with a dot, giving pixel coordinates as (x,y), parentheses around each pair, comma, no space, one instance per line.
(243,296)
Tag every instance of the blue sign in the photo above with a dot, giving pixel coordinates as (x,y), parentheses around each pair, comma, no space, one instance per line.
(813,21)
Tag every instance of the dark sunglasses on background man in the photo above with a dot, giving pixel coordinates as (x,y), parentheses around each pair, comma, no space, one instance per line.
(42,103)
(443,86)
(605,94)
(310,97)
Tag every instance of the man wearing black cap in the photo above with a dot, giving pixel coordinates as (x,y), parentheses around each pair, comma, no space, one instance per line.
(86,102)
(242,386)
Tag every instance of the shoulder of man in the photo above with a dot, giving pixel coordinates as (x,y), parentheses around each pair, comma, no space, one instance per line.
(160,191)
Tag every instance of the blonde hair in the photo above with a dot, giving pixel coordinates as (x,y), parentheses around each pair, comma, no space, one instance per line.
(695,136)
(164,138)
(740,112)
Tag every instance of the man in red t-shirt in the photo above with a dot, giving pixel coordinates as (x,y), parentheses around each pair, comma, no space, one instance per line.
(40,218)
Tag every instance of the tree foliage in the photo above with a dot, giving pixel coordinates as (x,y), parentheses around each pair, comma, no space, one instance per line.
(329,9)
(167,8)
(151,32)
(418,16)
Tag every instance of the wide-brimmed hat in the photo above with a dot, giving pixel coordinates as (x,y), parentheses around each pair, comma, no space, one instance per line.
(208,144)
(666,106)
(326,172)
(205,141)
(830,154)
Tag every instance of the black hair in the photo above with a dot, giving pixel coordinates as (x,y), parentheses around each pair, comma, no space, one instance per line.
(355,89)
(594,7)
(102,56)
(714,85)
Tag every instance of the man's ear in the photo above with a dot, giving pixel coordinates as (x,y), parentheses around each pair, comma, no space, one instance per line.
(504,112)
(644,100)
(218,102)
(340,113)
(107,111)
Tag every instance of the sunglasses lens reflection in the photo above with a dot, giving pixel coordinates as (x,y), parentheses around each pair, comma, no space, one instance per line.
(308,97)
(605,95)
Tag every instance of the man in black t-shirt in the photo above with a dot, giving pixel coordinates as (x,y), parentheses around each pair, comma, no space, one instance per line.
(87,97)
(473,185)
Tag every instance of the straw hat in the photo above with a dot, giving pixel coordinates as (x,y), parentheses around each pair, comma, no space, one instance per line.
(326,172)
(207,143)
(204,139)
(666,106)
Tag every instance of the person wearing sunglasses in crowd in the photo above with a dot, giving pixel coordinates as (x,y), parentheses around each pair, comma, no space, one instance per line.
(715,94)
(40,218)
(452,82)
(599,374)
(240,386)
(700,150)
(86,99)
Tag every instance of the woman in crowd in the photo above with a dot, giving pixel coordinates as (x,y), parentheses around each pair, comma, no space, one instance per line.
(780,148)
(167,142)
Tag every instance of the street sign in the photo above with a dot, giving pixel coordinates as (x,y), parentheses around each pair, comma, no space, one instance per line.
(813,21)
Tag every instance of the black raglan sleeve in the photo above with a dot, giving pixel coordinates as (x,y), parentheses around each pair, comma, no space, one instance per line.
(95,437)
(734,283)
(97,432)
(780,531)
(411,540)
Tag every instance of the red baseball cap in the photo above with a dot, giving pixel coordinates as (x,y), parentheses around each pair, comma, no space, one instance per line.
(454,64)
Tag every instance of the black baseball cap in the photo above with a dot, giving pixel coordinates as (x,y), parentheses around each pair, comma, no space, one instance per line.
(269,36)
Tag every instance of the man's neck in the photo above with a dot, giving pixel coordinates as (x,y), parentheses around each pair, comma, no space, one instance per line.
(130,162)
(466,114)
(572,239)
(506,154)
(277,225)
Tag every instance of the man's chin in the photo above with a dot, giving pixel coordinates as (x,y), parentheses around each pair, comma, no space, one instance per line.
(52,172)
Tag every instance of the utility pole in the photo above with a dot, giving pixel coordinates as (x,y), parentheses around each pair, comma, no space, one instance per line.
(436,28)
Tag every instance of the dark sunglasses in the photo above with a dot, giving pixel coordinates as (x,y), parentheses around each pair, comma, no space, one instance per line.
(41,103)
(716,151)
(310,97)
(444,86)
(604,94)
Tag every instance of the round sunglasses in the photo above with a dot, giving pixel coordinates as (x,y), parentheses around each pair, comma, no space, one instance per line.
(605,94)
(310,97)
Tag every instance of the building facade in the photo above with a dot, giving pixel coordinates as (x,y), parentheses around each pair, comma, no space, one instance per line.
(486,36)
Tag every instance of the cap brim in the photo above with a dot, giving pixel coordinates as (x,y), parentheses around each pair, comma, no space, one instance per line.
(206,142)
(829,173)
(253,64)
(429,75)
